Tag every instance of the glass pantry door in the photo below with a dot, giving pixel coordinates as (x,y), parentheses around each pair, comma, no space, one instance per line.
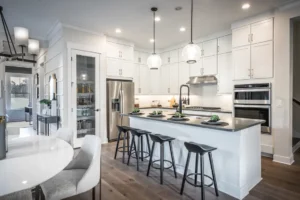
(85,81)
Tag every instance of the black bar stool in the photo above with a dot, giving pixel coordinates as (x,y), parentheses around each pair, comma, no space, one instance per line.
(139,149)
(125,131)
(199,149)
(161,139)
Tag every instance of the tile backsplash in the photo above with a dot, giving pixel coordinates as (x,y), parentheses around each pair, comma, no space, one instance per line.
(205,95)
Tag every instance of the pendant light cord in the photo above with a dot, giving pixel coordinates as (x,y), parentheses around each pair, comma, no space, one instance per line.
(154,32)
(192,12)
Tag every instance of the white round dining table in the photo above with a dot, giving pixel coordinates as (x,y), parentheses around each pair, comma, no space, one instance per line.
(31,161)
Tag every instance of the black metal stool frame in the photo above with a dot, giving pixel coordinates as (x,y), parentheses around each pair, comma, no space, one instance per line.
(162,160)
(125,138)
(139,149)
(202,185)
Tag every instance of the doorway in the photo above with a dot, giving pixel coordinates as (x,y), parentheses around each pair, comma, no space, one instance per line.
(18,92)
(296,84)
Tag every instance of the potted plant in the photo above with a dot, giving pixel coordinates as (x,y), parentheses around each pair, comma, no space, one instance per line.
(46,102)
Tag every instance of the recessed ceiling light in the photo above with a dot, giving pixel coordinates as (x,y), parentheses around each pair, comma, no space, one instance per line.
(246,6)
(118,30)
(157,19)
(151,40)
(182,29)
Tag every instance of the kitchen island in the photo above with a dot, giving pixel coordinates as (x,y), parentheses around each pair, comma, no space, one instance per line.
(237,159)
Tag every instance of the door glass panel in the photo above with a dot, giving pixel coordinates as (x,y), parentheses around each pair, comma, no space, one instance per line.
(85,68)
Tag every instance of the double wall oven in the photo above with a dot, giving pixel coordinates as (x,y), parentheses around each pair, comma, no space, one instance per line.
(253,101)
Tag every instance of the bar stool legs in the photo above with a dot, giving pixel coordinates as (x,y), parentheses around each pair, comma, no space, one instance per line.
(173,160)
(162,165)
(125,147)
(185,172)
(150,160)
(202,177)
(213,173)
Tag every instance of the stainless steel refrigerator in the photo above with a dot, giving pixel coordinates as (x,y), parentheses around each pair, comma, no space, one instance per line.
(120,100)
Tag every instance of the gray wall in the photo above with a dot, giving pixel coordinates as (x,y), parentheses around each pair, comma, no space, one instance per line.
(296,79)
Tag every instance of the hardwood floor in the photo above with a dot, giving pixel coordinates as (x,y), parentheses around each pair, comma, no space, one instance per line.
(122,182)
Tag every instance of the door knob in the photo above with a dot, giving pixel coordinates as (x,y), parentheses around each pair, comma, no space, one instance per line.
(97,110)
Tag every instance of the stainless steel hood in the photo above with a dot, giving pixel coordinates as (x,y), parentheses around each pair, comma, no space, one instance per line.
(194,80)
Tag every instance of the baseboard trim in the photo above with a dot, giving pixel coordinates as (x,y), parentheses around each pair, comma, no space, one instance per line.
(283,159)
(266,148)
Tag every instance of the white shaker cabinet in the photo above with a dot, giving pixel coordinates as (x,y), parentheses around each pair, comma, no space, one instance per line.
(209,48)
(114,67)
(141,57)
(165,58)
(154,81)
(241,63)
(225,83)
(124,52)
(174,78)
(225,44)
(112,50)
(262,60)
(209,65)
(145,84)
(165,79)
(262,31)
(184,73)
(241,36)
(174,56)
(127,69)
(136,78)
(196,69)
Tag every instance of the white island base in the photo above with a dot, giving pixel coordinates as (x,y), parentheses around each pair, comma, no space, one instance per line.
(237,160)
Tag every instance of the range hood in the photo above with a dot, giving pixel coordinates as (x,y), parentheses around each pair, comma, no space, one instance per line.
(194,80)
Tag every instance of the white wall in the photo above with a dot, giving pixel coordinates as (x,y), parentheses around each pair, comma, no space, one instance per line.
(283,82)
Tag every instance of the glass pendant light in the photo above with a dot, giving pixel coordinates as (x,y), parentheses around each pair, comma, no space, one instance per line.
(191,52)
(154,61)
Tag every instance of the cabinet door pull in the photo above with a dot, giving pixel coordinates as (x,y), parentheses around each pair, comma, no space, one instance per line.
(251,37)
(140,60)
(168,90)
(252,73)
(218,48)
(169,60)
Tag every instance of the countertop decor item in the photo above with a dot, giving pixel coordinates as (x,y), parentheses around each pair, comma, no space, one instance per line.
(191,52)
(2,137)
(154,61)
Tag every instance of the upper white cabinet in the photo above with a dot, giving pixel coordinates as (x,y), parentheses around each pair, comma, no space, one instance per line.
(174,56)
(141,57)
(262,31)
(253,55)
(241,63)
(254,33)
(145,86)
(209,48)
(196,69)
(165,58)
(136,78)
(154,81)
(225,84)
(127,69)
(120,51)
(225,44)
(241,36)
(262,60)
(169,57)
(114,67)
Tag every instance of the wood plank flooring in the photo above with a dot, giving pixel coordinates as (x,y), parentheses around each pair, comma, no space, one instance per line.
(122,182)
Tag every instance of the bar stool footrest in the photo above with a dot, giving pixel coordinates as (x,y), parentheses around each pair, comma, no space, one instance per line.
(199,174)
(145,152)
(164,163)
(122,148)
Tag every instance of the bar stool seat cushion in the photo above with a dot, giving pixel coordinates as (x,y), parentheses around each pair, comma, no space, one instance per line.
(139,132)
(161,138)
(24,195)
(198,148)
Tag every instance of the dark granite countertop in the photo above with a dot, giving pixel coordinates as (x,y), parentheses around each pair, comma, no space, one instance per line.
(190,109)
(234,124)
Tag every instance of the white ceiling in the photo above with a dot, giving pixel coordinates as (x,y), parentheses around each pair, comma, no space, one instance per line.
(132,16)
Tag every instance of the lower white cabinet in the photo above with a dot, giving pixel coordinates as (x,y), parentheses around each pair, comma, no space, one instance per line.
(262,60)
(241,63)
(225,83)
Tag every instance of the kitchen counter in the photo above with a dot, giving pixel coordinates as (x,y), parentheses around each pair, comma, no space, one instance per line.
(191,109)
(234,124)
(237,158)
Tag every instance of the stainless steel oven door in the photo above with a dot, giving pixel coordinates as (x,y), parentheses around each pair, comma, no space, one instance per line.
(262,112)
(252,96)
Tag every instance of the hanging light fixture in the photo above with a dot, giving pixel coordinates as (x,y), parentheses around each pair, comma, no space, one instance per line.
(21,39)
(154,61)
(191,52)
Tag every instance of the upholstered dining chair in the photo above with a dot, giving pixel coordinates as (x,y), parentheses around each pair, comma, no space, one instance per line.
(24,195)
(81,175)
(65,134)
